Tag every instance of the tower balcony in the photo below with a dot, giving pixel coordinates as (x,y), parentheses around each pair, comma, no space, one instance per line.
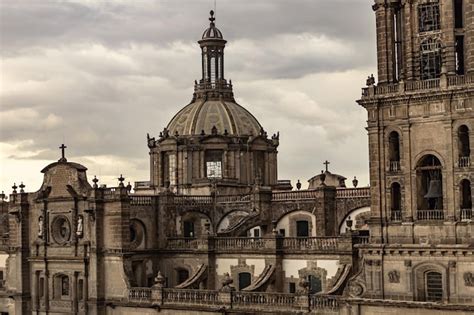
(394,166)
(466,214)
(396,215)
(444,82)
(430,215)
(464,161)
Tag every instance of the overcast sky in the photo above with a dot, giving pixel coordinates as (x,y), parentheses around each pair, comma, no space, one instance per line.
(100,75)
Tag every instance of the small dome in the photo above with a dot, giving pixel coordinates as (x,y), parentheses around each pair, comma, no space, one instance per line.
(204,115)
(212,32)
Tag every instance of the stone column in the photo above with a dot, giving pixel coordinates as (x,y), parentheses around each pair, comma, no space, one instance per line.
(383,41)
(447,27)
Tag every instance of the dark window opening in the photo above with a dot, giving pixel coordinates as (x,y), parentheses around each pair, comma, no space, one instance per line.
(80,290)
(463,140)
(189,229)
(282,232)
(302,228)
(398,40)
(256,232)
(434,286)
(244,280)
(459,55)
(466,197)
(314,284)
(430,59)
(259,162)
(458,14)
(183,275)
(292,287)
(428,17)
(41,287)
(396,197)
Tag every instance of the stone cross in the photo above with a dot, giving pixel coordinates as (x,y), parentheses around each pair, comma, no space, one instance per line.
(327,163)
(63,147)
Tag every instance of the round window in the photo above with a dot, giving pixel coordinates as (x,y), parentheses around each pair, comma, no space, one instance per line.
(61,229)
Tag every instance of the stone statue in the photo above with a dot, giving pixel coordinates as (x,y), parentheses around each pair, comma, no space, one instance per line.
(40,227)
(80,226)
(370,80)
(468,279)
(394,276)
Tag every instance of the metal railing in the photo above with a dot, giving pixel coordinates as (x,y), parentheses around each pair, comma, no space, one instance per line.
(464,161)
(394,166)
(396,215)
(430,214)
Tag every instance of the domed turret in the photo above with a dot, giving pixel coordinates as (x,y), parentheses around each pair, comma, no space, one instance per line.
(212,32)
(213,142)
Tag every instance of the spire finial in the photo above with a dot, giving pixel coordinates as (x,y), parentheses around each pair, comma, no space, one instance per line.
(212,18)
(327,164)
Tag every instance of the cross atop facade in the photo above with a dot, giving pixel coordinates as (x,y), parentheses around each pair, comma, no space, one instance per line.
(63,157)
(327,164)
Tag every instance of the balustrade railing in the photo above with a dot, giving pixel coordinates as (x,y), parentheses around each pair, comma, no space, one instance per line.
(260,244)
(183,243)
(430,214)
(323,302)
(452,81)
(140,200)
(394,166)
(262,299)
(140,294)
(254,301)
(293,195)
(466,214)
(193,200)
(396,215)
(363,192)
(464,161)
(310,243)
(243,243)
(233,198)
(184,296)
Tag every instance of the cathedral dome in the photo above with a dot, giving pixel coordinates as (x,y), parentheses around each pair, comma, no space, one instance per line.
(203,115)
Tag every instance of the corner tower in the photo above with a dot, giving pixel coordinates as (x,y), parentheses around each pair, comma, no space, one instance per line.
(213,143)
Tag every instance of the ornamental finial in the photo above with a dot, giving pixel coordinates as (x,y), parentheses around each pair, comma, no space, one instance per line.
(212,18)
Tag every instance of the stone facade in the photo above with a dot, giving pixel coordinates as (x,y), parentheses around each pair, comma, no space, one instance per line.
(214,230)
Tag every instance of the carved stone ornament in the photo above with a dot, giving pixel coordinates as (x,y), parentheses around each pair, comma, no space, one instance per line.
(80,226)
(40,227)
(61,229)
(468,279)
(355,289)
(394,276)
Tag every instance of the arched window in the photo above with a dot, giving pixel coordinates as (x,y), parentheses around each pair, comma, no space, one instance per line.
(396,204)
(434,286)
(464,146)
(394,151)
(466,200)
(430,66)
(429,189)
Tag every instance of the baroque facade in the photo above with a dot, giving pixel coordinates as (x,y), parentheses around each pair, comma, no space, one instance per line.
(215,231)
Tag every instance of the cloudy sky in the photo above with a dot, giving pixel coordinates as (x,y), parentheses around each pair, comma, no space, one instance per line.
(100,75)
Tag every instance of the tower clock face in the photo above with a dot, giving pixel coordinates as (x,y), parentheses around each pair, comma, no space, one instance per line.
(61,229)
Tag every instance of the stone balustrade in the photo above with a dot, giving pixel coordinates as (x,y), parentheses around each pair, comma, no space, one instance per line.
(262,244)
(394,166)
(466,214)
(430,215)
(464,161)
(285,303)
(362,192)
(137,200)
(293,195)
(396,215)
(418,85)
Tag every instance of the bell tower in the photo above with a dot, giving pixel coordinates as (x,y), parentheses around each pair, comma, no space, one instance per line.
(421,121)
